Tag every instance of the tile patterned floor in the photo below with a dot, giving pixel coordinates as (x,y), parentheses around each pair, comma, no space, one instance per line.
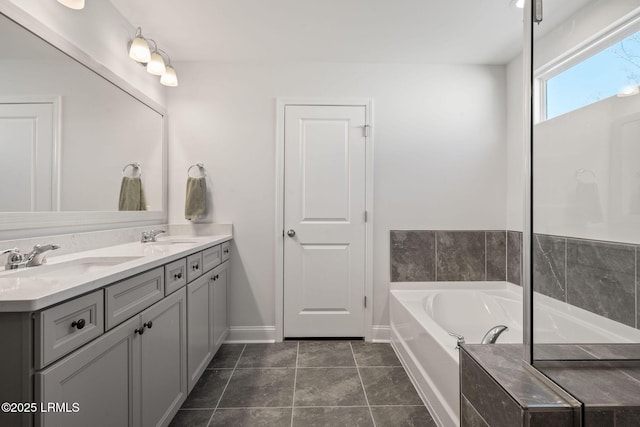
(305,383)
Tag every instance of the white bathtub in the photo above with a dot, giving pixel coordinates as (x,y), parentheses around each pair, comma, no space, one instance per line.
(422,314)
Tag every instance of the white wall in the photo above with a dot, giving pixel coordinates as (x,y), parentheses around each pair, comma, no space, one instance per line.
(100,31)
(515,144)
(439,155)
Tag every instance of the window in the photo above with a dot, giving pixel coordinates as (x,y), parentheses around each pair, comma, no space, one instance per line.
(604,73)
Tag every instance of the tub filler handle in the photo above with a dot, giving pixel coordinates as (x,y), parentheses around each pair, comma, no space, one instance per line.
(459,338)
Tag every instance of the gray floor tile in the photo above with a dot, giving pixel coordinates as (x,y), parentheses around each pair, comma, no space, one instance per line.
(332,417)
(226,356)
(325,354)
(402,416)
(389,386)
(329,387)
(192,418)
(259,388)
(375,354)
(271,417)
(276,355)
(208,389)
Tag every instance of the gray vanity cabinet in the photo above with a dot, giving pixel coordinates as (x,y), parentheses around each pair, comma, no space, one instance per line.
(125,377)
(163,359)
(100,377)
(220,278)
(200,320)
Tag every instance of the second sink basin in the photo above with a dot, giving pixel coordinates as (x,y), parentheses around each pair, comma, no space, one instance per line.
(70,268)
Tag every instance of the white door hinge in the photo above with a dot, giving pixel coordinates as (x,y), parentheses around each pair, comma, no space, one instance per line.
(366,130)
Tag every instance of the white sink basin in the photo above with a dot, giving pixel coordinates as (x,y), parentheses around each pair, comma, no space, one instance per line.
(80,266)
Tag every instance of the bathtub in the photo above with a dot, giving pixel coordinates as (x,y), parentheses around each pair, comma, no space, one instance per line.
(422,314)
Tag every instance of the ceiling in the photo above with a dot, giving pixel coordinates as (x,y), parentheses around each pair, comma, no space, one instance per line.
(379,31)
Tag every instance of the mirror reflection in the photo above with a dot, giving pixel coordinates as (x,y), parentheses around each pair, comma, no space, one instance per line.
(66,134)
(586,179)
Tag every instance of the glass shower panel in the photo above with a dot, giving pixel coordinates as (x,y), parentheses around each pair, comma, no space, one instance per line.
(586,180)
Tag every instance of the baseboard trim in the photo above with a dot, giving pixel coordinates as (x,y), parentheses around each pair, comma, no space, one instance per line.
(251,334)
(381,333)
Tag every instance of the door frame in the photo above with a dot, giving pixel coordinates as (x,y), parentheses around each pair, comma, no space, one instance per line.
(56,149)
(281,103)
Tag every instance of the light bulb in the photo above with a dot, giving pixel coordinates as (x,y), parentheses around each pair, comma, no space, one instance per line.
(156,65)
(520,4)
(169,78)
(139,50)
(73,4)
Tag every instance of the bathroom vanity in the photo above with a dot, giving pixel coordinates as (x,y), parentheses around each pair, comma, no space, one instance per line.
(116,336)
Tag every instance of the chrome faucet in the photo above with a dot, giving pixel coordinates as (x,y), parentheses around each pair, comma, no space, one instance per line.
(459,338)
(151,236)
(492,335)
(33,259)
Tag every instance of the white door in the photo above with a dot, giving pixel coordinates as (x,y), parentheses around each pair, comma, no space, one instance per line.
(324,220)
(27,144)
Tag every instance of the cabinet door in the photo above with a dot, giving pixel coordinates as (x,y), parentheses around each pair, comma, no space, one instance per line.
(163,359)
(100,378)
(199,313)
(220,323)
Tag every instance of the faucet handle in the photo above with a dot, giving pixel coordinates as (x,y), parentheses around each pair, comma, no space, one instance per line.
(459,338)
(10,251)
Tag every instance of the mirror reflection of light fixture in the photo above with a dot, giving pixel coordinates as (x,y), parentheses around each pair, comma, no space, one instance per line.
(628,91)
(139,48)
(517,3)
(73,4)
(169,78)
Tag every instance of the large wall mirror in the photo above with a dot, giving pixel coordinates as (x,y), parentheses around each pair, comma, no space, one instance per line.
(586,181)
(68,136)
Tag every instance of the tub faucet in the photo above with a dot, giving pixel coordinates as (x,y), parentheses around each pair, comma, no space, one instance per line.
(459,338)
(492,336)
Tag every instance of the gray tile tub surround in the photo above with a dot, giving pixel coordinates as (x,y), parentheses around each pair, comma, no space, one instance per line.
(430,255)
(497,391)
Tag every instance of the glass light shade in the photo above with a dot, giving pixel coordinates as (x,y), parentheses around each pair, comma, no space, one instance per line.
(156,65)
(169,78)
(520,4)
(73,4)
(139,50)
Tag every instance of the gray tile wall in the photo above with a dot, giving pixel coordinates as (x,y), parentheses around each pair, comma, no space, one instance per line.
(430,255)
(600,277)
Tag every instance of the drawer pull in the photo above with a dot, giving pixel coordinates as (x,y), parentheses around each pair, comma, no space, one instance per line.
(78,324)
(177,276)
(139,331)
(195,267)
(226,251)
(149,324)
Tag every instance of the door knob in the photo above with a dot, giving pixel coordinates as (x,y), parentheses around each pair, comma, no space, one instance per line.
(291,233)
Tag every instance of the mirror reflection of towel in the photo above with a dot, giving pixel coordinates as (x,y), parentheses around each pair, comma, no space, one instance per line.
(132,195)
(588,201)
(195,204)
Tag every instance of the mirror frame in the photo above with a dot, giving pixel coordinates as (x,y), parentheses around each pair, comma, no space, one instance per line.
(29,224)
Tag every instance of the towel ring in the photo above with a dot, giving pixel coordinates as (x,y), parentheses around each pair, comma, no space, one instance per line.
(134,166)
(200,166)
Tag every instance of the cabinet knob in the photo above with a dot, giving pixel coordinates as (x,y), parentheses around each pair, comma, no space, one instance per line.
(139,331)
(226,251)
(149,324)
(291,233)
(177,276)
(217,277)
(195,267)
(78,324)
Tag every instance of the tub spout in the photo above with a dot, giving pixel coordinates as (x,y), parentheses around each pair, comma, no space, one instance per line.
(492,336)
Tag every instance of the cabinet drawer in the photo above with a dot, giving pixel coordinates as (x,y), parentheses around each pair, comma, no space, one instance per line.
(211,258)
(194,266)
(175,275)
(225,251)
(131,296)
(65,327)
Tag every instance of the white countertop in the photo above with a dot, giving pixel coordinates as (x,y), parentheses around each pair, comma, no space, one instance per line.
(20,294)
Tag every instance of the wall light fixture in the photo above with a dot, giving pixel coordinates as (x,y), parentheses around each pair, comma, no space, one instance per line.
(73,4)
(152,58)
